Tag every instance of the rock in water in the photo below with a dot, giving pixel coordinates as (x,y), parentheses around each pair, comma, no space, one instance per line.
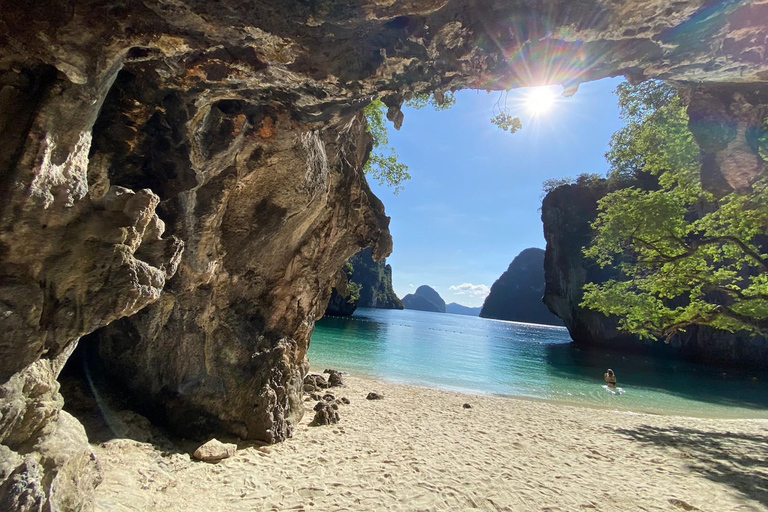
(424,299)
(325,413)
(214,451)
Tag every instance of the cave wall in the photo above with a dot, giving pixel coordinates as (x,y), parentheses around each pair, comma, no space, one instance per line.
(133,132)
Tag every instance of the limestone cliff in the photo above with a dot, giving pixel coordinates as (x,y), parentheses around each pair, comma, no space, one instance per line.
(567,213)
(375,280)
(424,298)
(344,295)
(129,131)
(517,295)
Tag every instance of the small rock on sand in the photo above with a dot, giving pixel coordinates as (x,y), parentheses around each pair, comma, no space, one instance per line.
(467,406)
(325,413)
(214,451)
(334,378)
(314,382)
(374,396)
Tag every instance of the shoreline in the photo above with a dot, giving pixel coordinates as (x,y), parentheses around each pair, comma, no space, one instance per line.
(557,402)
(420,449)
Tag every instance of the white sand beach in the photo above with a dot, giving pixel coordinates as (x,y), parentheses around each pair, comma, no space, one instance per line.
(419,449)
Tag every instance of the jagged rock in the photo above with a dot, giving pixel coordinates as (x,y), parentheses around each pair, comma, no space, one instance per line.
(334,378)
(341,302)
(315,382)
(214,451)
(374,396)
(325,414)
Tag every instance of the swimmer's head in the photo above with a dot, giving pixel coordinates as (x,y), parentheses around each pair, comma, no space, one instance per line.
(610,372)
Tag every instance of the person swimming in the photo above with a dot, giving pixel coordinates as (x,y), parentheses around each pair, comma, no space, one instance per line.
(610,378)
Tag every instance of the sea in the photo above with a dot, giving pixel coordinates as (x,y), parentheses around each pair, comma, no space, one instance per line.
(493,357)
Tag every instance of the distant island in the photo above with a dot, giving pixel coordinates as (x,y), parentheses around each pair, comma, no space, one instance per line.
(458,309)
(424,299)
(517,294)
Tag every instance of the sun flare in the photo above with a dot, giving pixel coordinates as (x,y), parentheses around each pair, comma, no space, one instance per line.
(539,100)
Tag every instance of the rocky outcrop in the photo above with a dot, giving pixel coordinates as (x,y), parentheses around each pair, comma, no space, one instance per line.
(424,299)
(567,213)
(375,280)
(341,303)
(236,124)
(264,243)
(517,295)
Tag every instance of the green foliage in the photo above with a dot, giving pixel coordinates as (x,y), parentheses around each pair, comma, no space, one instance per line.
(585,179)
(437,101)
(384,164)
(353,289)
(686,257)
(507,122)
(553,183)
(502,115)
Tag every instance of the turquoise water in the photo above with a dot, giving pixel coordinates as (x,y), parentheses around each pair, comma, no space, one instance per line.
(476,355)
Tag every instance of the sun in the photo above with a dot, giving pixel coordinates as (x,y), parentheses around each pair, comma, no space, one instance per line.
(539,100)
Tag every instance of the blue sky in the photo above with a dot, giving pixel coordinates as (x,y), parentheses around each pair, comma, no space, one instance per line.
(473,201)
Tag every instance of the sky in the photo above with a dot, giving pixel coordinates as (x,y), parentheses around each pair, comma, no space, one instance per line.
(473,201)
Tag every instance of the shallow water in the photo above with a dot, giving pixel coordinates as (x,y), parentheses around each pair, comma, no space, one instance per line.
(477,355)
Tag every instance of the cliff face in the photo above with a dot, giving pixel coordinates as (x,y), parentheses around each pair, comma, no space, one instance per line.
(517,294)
(567,213)
(342,302)
(375,279)
(424,299)
(231,131)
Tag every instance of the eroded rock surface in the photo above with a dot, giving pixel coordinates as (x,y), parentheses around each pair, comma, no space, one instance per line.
(234,128)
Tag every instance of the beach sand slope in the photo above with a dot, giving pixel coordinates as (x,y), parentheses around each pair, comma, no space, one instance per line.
(420,449)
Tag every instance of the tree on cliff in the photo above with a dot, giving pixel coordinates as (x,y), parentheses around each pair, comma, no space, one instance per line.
(687,256)
(383,163)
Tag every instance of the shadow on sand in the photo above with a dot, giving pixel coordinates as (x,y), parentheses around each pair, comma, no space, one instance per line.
(739,461)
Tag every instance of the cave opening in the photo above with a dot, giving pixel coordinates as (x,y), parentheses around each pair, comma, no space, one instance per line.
(473,201)
(98,401)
